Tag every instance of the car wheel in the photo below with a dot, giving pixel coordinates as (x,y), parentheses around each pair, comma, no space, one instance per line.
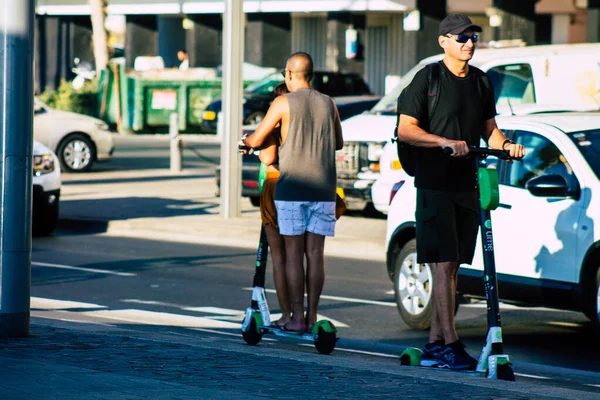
(44,219)
(413,284)
(255,201)
(593,306)
(255,118)
(76,153)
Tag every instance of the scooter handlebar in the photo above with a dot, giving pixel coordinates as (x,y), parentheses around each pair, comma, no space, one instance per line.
(484,152)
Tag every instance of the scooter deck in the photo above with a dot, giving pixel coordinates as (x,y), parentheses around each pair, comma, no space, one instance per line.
(308,336)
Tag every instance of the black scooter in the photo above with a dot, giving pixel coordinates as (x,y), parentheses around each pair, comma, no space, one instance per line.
(492,363)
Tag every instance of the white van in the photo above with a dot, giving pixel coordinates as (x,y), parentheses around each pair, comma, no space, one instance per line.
(529,79)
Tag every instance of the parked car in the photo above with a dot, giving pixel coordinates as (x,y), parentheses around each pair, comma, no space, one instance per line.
(348,106)
(549,76)
(546,236)
(46,190)
(259,95)
(78,140)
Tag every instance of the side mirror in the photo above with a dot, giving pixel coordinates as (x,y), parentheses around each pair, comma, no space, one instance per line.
(550,186)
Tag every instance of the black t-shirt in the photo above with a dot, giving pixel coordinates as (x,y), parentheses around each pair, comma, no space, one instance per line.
(463,106)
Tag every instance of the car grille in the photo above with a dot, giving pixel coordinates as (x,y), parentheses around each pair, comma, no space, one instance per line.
(349,159)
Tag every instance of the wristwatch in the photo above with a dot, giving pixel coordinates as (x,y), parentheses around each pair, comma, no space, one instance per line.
(507,141)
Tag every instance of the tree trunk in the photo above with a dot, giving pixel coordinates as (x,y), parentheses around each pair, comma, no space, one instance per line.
(98,15)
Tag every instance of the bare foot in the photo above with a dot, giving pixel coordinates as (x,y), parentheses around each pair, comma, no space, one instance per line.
(294,326)
(310,322)
(281,321)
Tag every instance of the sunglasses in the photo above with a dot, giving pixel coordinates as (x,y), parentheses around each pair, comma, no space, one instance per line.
(462,38)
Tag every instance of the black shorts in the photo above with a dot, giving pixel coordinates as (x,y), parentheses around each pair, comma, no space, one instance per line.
(447,225)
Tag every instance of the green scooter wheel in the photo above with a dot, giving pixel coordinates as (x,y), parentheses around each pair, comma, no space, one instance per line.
(326,336)
(254,334)
(411,356)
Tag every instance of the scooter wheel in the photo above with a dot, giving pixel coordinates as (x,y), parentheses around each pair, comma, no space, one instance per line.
(254,334)
(505,372)
(411,357)
(326,336)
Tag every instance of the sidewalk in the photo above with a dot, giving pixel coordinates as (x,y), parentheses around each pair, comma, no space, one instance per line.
(65,360)
(155,204)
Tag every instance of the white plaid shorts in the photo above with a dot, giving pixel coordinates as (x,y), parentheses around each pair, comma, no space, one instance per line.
(297,217)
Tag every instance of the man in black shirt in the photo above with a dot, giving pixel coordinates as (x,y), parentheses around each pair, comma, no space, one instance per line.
(447,204)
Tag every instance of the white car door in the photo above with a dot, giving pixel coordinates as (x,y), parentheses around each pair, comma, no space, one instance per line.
(536,237)
(42,125)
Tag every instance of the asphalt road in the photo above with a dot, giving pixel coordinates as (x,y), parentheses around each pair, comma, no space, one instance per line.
(157,285)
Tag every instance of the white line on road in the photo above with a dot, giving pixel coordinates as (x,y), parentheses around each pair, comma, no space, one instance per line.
(346,299)
(159,318)
(368,353)
(229,334)
(531,376)
(592,385)
(96,271)
(53,304)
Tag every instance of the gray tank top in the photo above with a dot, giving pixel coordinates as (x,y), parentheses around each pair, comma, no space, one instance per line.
(307,158)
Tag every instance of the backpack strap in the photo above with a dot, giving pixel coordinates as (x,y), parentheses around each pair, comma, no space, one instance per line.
(433,94)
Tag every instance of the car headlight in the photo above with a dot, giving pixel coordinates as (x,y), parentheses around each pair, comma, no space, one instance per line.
(43,164)
(374,152)
(102,126)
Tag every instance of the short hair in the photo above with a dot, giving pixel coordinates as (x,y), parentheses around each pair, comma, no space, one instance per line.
(280,89)
(308,70)
(182,51)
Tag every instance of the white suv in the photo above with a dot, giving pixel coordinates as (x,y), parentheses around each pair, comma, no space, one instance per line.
(46,190)
(547,247)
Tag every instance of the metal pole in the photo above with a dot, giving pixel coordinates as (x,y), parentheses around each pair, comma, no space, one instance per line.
(233,58)
(16,113)
(176,164)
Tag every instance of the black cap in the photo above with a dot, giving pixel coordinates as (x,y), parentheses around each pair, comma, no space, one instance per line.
(457,23)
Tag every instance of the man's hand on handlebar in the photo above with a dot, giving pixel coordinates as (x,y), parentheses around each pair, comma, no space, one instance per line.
(459,148)
(516,151)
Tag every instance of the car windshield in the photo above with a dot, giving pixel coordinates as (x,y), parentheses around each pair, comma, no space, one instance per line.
(265,85)
(388,104)
(588,143)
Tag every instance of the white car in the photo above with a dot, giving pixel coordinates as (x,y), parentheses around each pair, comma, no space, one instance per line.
(547,245)
(46,190)
(78,140)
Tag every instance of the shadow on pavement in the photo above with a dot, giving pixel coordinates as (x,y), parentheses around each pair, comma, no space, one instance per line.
(136,179)
(124,208)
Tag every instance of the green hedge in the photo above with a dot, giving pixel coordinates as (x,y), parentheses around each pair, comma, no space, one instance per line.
(67,98)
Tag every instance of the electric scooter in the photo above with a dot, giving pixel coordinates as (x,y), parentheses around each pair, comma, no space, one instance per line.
(492,363)
(257,320)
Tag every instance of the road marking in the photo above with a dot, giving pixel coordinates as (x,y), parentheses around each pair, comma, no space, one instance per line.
(345,299)
(592,385)
(96,271)
(368,353)
(161,318)
(85,322)
(214,310)
(564,324)
(531,376)
(229,334)
(52,304)
(504,306)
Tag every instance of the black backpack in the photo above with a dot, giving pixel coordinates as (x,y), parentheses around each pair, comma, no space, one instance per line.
(407,153)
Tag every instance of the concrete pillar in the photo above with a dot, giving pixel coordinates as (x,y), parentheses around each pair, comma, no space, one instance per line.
(268,39)
(518,20)
(204,40)
(141,38)
(593,21)
(423,43)
(171,39)
(337,24)
(560,28)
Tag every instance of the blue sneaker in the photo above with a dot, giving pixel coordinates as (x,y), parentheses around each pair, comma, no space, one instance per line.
(431,354)
(454,356)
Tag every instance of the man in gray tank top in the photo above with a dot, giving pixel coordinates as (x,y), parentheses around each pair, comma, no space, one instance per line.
(305,194)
